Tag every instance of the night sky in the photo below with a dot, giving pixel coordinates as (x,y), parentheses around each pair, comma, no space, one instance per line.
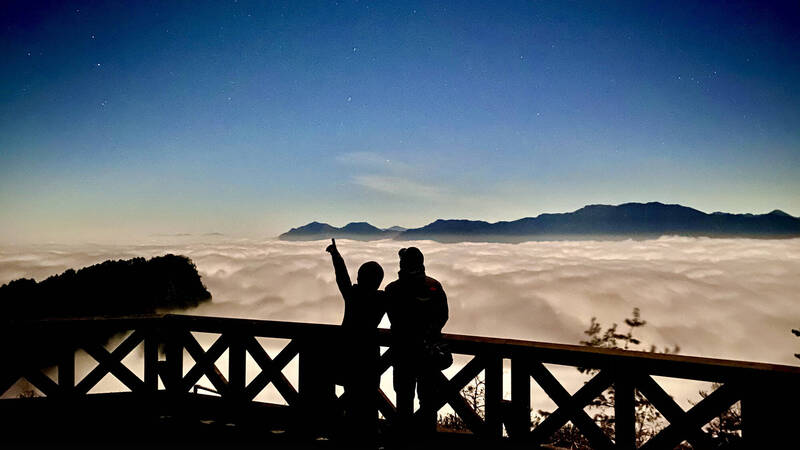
(126,119)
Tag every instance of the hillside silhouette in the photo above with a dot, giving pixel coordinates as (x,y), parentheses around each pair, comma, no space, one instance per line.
(111,288)
(629,220)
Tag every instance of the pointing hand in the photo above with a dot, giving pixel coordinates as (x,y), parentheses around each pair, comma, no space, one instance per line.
(332,248)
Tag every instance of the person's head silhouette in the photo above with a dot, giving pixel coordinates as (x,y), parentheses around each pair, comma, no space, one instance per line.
(411,260)
(370,275)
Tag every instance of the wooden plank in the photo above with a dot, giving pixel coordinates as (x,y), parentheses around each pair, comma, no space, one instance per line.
(572,354)
(237,359)
(204,363)
(174,361)
(681,366)
(270,371)
(519,424)
(42,382)
(7,380)
(108,365)
(286,355)
(570,408)
(112,363)
(467,373)
(466,412)
(670,409)
(493,396)
(386,407)
(265,328)
(385,361)
(767,409)
(459,380)
(316,390)
(66,371)
(767,375)
(700,414)
(450,393)
(624,412)
(151,342)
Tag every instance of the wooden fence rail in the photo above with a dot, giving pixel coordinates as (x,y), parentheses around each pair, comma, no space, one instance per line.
(769,393)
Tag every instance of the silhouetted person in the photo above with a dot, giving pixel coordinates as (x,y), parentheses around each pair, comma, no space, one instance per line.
(417,308)
(364,306)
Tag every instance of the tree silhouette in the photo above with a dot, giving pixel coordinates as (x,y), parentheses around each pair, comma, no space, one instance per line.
(111,288)
(647,416)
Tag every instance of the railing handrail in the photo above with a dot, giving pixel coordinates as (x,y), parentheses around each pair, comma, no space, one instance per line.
(684,366)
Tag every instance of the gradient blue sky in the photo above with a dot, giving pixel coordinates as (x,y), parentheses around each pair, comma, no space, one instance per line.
(127,119)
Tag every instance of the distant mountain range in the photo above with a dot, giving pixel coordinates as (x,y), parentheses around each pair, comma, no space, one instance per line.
(361,231)
(629,220)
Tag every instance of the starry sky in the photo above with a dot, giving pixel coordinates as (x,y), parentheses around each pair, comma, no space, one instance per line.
(133,119)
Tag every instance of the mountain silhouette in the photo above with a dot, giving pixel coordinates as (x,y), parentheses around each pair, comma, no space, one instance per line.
(361,231)
(636,220)
(629,220)
(361,228)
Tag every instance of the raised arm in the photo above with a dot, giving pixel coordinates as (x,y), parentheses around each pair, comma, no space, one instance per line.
(339,267)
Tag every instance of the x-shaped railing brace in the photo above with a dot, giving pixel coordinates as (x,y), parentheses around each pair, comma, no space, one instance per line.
(271,370)
(686,423)
(35,377)
(450,391)
(112,363)
(570,407)
(204,363)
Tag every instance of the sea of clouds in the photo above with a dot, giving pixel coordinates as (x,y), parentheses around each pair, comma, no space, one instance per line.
(721,298)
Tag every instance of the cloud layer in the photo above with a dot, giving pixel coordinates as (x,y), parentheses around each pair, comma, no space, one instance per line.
(725,298)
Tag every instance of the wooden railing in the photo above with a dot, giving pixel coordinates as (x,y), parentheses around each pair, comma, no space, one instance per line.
(769,394)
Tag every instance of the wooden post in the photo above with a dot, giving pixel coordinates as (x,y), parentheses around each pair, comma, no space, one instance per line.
(174,354)
(519,424)
(66,371)
(237,360)
(317,392)
(494,396)
(769,414)
(151,342)
(624,413)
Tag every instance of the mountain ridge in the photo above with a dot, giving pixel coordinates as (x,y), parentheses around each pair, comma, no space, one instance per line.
(627,220)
